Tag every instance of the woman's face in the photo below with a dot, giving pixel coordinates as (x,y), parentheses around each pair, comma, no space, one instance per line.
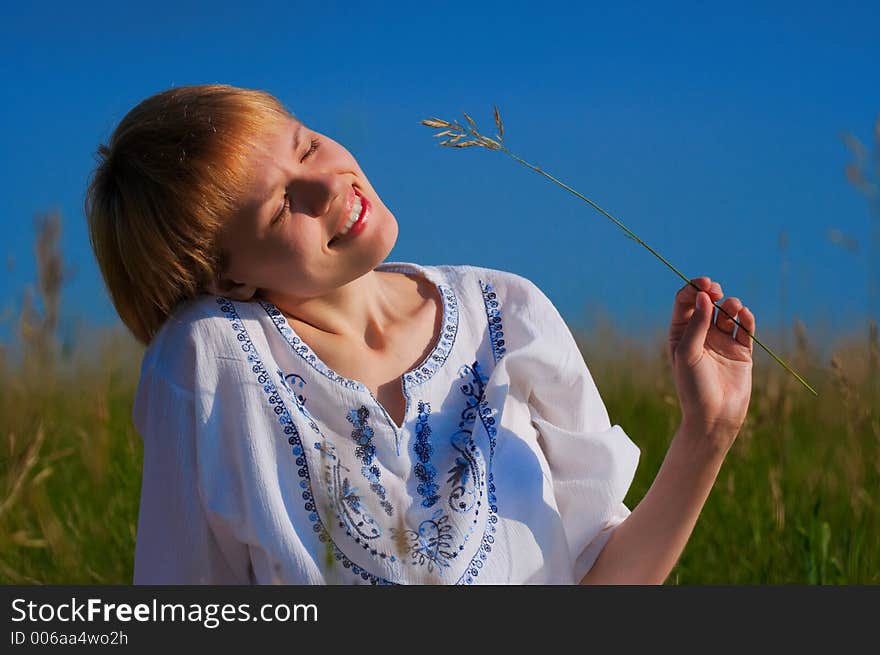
(281,241)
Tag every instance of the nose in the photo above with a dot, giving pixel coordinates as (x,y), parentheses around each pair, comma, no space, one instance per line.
(315,192)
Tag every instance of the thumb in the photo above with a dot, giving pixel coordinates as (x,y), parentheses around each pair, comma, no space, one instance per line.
(690,348)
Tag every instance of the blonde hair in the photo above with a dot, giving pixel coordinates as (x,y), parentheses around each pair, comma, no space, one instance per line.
(170,176)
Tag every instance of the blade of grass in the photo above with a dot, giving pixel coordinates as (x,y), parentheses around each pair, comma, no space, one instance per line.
(493,144)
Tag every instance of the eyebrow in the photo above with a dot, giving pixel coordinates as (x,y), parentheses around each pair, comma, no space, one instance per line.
(273,191)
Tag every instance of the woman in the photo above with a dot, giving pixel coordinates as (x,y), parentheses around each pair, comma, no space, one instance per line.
(314,414)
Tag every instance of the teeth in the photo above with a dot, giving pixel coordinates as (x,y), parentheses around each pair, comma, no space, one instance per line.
(356,210)
(355,213)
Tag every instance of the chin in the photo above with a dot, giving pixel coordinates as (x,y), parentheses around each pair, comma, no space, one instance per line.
(376,246)
(386,239)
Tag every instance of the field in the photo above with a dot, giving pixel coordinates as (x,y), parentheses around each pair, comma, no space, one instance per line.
(796,500)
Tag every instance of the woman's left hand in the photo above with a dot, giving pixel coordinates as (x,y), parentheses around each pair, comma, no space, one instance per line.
(712,369)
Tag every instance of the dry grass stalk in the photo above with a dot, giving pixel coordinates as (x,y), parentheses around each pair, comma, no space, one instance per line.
(776,494)
(498,144)
(873,369)
(847,393)
(802,344)
(49,268)
(37,329)
(867,180)
(96,576)
(22,538)
(838,238)
(14,576)
(28,462)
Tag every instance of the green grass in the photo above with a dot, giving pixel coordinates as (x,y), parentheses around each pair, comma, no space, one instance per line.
(75,518)
(795,502)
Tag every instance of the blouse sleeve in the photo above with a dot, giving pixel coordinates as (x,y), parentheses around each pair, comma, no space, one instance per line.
(592,463)
(177,541)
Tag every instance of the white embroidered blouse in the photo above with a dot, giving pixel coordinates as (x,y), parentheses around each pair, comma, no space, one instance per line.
(262,465)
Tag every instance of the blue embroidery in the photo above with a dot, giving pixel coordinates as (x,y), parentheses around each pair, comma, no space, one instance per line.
(432,544)
(496,336)
(464,476)
(293,438)
(289,383)
(465,473)
(477,560)
(441,351)
(488,419)
(344,497)
(423,372)
(496,333)
(302,349)
(363,437)
(424,470)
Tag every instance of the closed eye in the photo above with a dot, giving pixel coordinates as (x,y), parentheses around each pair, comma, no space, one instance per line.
(285,207)
(313,148)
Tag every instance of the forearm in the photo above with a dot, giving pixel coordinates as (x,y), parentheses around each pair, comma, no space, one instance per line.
(646,546)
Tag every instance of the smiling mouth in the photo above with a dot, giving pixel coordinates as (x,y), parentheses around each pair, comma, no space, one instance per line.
(355,228)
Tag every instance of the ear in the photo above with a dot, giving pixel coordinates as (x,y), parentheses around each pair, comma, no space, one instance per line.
(231,289)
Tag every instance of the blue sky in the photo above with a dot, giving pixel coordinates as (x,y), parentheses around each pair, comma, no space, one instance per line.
(706,130)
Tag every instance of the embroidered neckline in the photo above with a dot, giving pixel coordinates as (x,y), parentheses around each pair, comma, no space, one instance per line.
(418,550)
(449,328)
(493,314)
(432,363)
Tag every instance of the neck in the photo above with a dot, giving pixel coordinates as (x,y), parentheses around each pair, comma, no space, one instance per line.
(364,311)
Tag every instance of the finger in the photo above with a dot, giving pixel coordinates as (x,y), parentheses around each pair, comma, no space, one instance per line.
(694,337)
(686,297)
(747,320)
(732,306)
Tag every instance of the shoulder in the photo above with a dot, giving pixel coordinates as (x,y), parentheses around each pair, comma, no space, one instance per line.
(516,305)
(194,335)
(512,291)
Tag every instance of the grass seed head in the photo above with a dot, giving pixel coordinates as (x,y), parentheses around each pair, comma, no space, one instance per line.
(501,125)
(492,144)
(435,122)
